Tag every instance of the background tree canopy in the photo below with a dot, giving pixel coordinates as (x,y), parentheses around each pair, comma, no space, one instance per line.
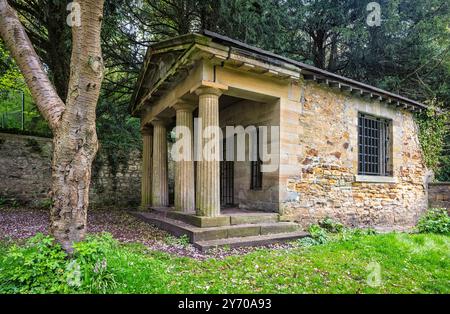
(409,53)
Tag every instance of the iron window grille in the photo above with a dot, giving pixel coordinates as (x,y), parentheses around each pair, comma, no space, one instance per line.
(374,145)
(256,174)
(226,179)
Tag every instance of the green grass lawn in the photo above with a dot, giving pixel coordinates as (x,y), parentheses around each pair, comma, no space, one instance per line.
(408,264)
(405,263)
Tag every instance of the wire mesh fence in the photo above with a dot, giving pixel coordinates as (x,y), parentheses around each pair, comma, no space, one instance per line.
(18,112)
(12,106)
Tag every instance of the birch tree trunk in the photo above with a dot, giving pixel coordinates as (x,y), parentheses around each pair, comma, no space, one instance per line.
(72,122)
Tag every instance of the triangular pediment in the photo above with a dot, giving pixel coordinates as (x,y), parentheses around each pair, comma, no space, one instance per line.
(161,67)
(157,70)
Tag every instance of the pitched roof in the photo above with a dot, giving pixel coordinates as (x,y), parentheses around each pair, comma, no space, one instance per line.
(181,44)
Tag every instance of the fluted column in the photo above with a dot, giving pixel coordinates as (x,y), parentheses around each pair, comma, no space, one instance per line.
(160,188)
(146,180)
(208,171)
(184,166)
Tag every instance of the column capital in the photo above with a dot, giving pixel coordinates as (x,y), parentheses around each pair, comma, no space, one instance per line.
(183,105)
(208,87)
(160,122)
(147,130)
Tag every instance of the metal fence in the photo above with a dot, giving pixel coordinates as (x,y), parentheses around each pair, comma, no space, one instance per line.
(12,109)
(18,112)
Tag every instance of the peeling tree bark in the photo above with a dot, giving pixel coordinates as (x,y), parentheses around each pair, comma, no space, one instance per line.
(72,122)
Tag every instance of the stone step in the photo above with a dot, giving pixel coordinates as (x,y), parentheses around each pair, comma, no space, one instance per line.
(249,241)
(244,230)
(174,227)
(253,218)
(195,234)
(222,220)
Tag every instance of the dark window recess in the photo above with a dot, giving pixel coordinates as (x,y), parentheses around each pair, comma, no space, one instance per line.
(373,146)
(226,180)
(256,180)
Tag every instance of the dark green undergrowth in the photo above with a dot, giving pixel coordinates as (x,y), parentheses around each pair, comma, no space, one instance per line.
(347,262)
(41,266)
(435,220)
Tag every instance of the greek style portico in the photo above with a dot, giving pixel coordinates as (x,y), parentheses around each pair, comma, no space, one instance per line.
(190,82)
(322,158)
(205,190)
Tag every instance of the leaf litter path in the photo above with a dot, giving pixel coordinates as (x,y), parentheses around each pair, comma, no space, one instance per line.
(21,223)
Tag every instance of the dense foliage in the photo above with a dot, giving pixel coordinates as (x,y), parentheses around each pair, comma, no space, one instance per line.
(330,230)
(36,267)
(13,91)
(41,266)
(433,130)
(435,220)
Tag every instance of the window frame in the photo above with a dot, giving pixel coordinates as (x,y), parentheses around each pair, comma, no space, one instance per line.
(374,135)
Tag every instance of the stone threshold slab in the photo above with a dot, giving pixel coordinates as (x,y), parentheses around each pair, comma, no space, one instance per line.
(179,228)
(222,220)
(261,240)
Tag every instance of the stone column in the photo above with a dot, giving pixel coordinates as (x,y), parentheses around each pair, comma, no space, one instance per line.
(184,166)
(208,171)
(146,180)
(160,188)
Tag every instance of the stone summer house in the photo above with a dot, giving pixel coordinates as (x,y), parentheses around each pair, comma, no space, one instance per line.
(346,150)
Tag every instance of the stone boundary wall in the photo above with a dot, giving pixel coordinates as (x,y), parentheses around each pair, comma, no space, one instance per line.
(439,194)
(25,174)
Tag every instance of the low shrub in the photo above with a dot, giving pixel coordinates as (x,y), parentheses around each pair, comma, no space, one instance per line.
(318,233)
(41,266)
(180,241)
(329,230)
(307,241)
(36,267)
(331,225)
(435,220)
(91,255)
(45,203)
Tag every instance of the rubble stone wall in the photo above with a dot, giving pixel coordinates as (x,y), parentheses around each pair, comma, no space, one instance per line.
(323,179)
